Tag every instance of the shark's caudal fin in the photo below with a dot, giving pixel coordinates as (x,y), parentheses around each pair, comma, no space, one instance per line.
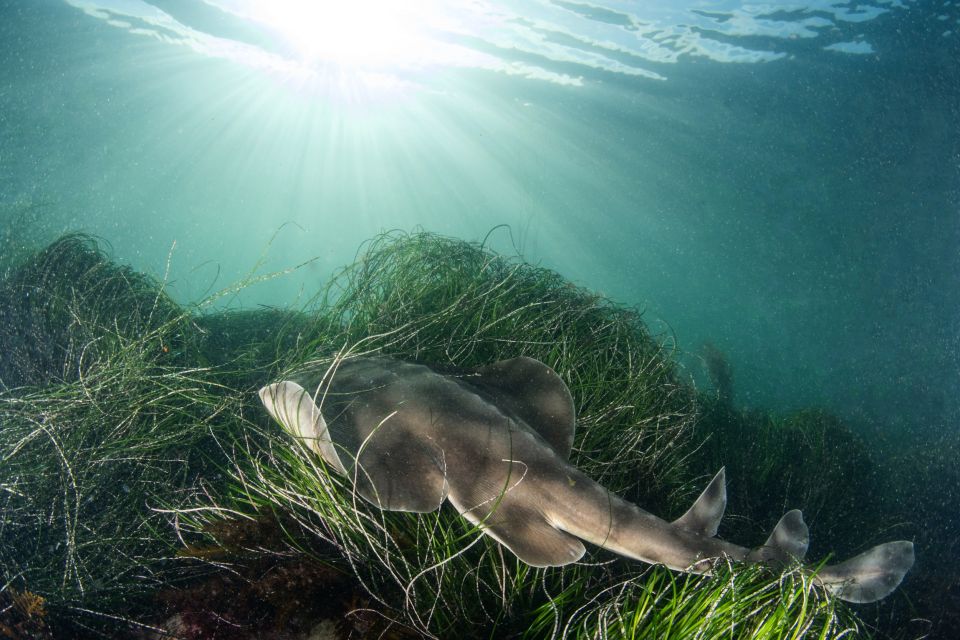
(704,516)
(870,576)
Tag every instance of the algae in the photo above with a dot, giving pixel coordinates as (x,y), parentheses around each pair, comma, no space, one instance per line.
(143,486)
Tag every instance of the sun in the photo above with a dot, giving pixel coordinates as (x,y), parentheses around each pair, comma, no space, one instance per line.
(371,34)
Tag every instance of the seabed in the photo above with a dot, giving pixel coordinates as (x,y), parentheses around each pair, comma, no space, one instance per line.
(145,493)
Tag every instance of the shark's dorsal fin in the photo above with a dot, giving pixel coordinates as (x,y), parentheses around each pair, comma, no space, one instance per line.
(294,409)
(788,541)
(535,394)
(703,517)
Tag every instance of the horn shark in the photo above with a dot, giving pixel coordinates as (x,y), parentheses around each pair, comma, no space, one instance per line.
(495,443)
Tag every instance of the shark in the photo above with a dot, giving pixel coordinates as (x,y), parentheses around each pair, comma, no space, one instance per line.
(495,443)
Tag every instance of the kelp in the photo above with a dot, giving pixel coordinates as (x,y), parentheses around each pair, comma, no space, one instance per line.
(66,306)
(101,421)
(433,299)
(139,477)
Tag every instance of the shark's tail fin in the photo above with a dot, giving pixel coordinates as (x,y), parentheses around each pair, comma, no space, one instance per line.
(870,576)
(787,542)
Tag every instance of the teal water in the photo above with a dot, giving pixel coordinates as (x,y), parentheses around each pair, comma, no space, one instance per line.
(779,179)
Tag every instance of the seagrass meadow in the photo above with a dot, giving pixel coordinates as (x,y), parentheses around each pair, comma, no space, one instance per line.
(146,494)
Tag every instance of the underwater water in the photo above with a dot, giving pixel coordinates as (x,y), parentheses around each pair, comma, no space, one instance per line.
(775,184)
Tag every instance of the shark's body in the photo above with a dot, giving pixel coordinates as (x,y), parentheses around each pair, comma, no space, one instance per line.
(495,442)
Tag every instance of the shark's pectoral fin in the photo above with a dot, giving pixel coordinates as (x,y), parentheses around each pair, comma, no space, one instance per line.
(294,409)
(787,543)
(399,475)
(704,516)
(536,394)
(870,576)
(525,531)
